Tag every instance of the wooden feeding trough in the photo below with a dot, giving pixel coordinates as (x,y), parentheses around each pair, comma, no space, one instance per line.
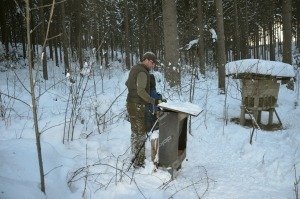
(168,150)
(259,85)
(259,95)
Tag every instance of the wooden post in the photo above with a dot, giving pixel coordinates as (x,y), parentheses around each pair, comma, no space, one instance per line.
(154,150)
(278,117)
(242,116)
(258,117)
(255,114)
(270,122)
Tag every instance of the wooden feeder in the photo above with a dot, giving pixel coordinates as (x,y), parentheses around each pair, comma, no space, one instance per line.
(259,95)
(169,149)
(259,85)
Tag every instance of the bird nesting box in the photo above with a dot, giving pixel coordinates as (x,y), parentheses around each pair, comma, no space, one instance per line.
(259,85)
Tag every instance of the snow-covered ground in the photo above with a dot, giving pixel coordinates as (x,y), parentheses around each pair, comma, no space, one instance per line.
(220,162)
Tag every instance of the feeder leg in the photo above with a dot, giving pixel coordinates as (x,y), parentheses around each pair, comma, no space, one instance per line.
(154,148)
(255,114)
(278,117)
(242,116)
(270,122)
(258,116)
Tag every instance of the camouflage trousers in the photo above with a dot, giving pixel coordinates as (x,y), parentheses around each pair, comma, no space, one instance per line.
(137,119)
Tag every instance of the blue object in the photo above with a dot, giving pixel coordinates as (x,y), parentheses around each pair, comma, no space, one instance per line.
(151,109)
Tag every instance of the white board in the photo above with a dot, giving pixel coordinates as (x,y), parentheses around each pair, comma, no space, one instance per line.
(184,107)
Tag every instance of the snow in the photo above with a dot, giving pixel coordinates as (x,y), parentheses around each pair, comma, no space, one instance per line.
(220,162)
(191,44)
(213,33)
(263,67)
(184,107)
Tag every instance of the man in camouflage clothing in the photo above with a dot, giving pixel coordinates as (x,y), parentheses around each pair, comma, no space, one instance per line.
(138,85)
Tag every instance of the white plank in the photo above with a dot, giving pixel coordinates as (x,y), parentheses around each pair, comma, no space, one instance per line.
(184,107)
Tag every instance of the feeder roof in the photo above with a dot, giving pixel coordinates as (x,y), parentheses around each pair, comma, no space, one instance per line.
(247,68)
(182,107)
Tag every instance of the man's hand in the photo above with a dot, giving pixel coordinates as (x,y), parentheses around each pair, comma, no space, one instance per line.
(157,114)
(160,101)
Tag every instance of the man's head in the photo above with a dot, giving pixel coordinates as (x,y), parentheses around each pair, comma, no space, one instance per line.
(149,59)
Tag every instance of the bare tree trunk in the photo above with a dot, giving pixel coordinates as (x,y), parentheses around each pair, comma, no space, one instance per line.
(140,31)
(272,46)
(65,42)
(153,47)
(264,46)
(237,35)
(172,68)
(287,31)
(127,49)
(105,46)
(56,52)
(42,38)
(221,58)
(23,35)
(297,5)
(3,26)
(34,105)
(50,45)
(257,44)
(245,34)
(79,32)
(201,45)
(271,31)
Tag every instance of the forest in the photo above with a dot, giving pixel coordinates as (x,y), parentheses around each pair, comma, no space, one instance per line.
(88,39)
(206,34)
